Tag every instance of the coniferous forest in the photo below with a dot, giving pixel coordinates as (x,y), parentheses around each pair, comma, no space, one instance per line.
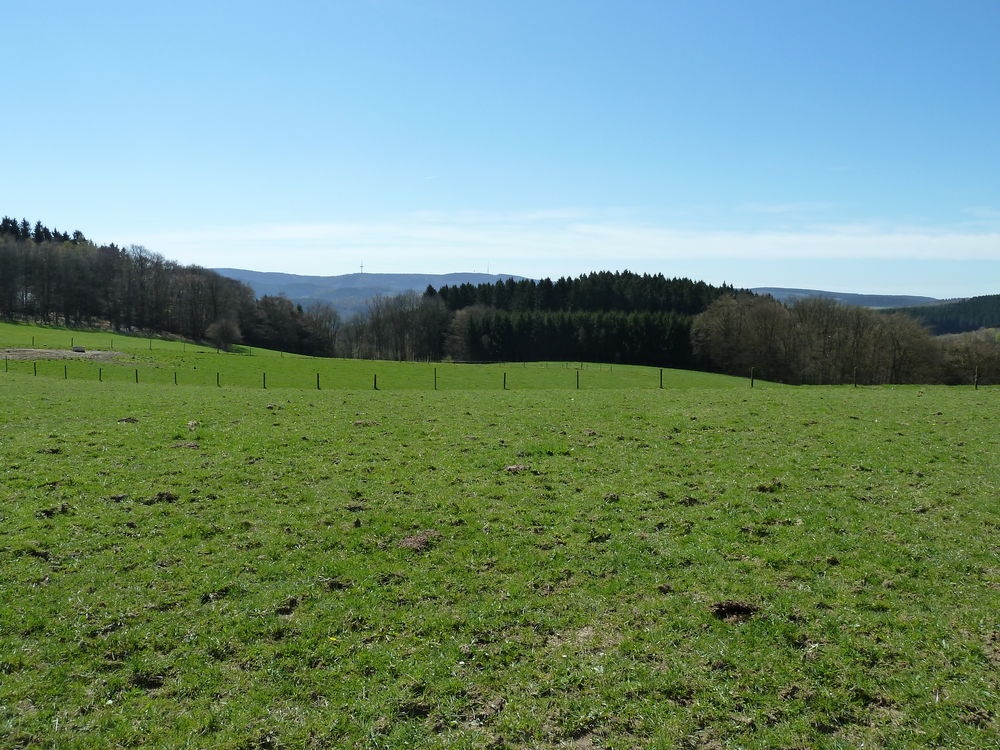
(958,316)
(62,278)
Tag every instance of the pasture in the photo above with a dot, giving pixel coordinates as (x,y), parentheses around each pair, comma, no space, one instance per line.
(616,566)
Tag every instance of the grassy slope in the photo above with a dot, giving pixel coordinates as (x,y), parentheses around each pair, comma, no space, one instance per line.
(158,362)
(247,568)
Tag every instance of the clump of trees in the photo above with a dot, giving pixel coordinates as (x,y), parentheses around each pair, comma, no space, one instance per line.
(56,278)
(610,317)
(651,338)
(818,341)
(603,316)
(65,279)
(406,326)
(976,352)
(600,291)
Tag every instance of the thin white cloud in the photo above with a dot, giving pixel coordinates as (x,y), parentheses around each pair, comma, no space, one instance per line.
(982,217)
(550,243)
(983,212)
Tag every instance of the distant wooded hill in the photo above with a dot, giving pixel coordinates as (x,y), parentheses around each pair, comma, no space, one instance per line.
(350,294)
(878,301)
(940,316)
(960,315)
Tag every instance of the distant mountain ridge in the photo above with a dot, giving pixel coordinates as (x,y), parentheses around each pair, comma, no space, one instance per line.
(350,293)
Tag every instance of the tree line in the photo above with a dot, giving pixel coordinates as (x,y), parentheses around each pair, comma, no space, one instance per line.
(607,316)
(599,291)
(63,278)
(60,278)
(818,341)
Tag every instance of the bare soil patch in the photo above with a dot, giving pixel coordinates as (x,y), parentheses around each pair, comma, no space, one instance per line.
(734,611)
(422,541)
(94,355)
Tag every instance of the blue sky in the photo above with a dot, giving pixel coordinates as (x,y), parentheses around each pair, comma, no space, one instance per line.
(852,146)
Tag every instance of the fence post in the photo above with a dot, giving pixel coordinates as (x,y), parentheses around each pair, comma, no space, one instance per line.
(100,374)
(661,377)
(35,364)
(975,379)
(435,378)
(375,382)
(751,377)
(65,372)
(578,380)
(263,377)
(218,380)
(505,381)
(175,377)
(137,376)
(317,381)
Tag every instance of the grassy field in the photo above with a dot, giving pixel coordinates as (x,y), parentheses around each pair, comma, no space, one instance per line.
(120,359)
(621,566)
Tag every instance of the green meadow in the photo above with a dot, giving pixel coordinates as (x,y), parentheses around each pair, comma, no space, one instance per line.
(122,359)
(583,559)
